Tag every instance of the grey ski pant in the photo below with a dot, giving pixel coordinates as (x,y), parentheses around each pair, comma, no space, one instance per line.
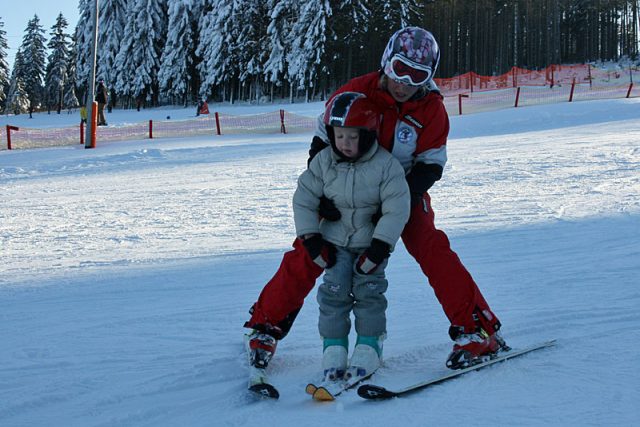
(343,290)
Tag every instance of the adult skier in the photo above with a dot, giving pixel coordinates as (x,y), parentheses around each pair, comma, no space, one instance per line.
(414,128)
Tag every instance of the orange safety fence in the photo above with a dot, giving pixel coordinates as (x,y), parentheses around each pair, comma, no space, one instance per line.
(464,94)
(215,124)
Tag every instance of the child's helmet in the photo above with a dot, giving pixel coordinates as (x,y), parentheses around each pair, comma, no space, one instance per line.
(353,110)
(411,56)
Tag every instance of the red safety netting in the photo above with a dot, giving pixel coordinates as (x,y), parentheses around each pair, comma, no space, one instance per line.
(550,76)
(464,94)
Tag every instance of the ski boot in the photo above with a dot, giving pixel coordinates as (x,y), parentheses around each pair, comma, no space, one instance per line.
(474,348)
(262,346)
(334,358)
(366,357)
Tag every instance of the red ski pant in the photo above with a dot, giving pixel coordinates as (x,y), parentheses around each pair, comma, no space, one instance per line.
(454,287)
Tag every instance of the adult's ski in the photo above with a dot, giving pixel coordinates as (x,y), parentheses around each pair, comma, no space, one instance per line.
(374,392)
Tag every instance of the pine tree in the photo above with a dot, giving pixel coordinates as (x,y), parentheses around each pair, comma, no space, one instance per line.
(217,48)
(307,59)
(33,55)
(17,98)
(175,74)
(84,40)
(252,17)
(4,66)
(282,17)
(138,59)
(70,99)
(112,21)
(57,63)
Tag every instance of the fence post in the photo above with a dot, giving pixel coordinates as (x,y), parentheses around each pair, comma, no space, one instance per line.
(150,129)
(218,123)
(517,97)
(629,91)
(282,128)
(460,96)
(81,132)
(573,86)
(9,129)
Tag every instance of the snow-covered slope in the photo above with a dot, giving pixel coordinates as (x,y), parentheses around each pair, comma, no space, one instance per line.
(127,272)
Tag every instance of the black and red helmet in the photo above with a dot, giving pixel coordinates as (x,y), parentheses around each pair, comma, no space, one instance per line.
(352,110)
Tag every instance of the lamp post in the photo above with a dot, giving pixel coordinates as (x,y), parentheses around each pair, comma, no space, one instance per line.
(89,139)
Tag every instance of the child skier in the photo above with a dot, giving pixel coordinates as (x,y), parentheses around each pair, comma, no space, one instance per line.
(368,187)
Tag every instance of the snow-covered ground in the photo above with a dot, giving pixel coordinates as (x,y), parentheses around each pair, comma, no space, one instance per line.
(127,272)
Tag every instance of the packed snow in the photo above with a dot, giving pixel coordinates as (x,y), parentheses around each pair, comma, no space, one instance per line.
(127,272)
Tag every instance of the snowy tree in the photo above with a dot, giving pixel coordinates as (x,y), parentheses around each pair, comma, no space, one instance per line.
(4,66)
(34,56)
(253,49)
(138,59)
(307,59)
(283,15)
(351,23)
(111,25)
(175,74)
(17,98)
(397,14)
(84,40)
(57,63)
(217,48)
(70,99)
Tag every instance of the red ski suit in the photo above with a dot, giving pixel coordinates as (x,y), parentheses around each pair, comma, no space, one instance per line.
(415,132)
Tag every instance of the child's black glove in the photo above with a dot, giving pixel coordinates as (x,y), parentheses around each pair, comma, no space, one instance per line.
(321,252)
(372,257)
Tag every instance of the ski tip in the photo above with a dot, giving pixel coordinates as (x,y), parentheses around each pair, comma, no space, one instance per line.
(310,389)
(323,395)
(265,391)
(372,392)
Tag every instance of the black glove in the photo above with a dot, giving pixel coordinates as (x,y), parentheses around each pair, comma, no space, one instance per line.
(372,257)
(321,252)
(420,179)
(328,209)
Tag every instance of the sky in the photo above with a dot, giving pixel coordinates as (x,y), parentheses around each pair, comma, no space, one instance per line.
(17,16)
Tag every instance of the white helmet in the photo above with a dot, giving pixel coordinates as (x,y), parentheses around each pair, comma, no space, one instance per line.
(411,56)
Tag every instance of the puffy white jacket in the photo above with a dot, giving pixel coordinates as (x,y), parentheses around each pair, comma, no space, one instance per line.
(358,189)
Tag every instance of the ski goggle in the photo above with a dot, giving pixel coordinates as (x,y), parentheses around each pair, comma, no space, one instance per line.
(404,71)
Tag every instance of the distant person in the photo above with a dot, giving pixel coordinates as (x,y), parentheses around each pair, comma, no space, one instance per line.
(202,108)
(101,99)
(83,114)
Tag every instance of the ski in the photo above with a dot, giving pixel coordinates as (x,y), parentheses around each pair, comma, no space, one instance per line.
(258,380)
(328,391)
(373,392)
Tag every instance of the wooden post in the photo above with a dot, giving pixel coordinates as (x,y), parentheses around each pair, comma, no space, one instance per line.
(150,129)
(282,128)
(218,123)
(517,97)
(573,86)
(460,96)
(9,129)
(629,91)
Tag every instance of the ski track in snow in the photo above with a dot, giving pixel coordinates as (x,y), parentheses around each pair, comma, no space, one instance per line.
(127,272)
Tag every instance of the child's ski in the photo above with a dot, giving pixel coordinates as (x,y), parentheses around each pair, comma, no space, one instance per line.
(328,391)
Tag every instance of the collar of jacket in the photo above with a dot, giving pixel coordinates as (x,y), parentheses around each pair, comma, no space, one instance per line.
(366,156)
